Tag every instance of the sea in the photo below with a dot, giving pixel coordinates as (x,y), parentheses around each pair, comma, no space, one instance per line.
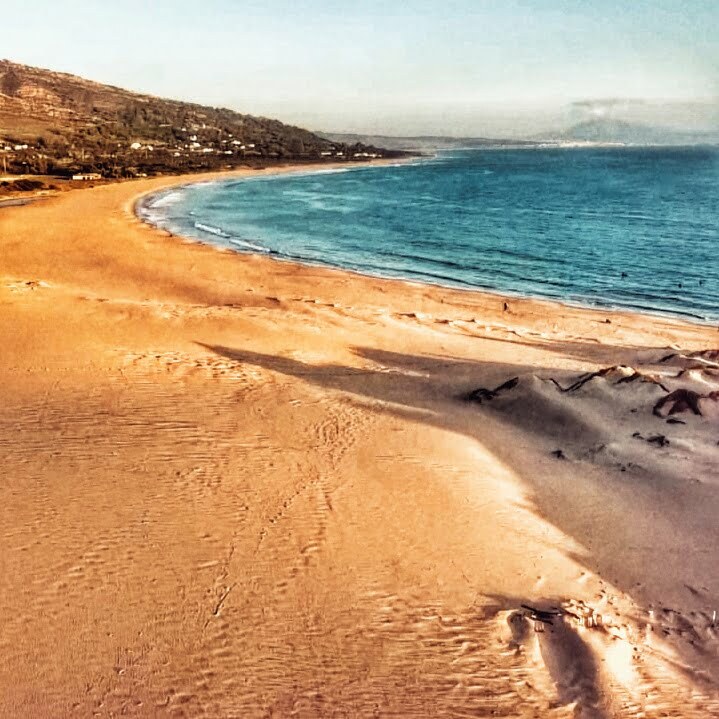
(621,227)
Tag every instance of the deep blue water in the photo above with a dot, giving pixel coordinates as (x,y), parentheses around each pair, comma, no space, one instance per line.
(626,227)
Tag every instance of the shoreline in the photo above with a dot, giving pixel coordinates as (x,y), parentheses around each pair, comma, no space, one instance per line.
(20,201)
(253,487)
(142,203)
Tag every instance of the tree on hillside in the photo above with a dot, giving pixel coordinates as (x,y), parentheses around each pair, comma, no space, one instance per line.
(296,146)
(10,84)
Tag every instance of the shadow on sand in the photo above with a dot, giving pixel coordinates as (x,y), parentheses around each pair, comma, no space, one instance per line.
(429,388)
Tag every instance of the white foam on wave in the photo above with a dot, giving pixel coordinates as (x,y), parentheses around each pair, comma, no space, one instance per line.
(165,200)
(237,242)
(328,171)
(217,231)
(250,246)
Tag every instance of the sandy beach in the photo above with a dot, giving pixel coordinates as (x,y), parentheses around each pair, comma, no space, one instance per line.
(237,487)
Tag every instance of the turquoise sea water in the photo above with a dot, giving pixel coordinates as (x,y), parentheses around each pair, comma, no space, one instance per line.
(621,227)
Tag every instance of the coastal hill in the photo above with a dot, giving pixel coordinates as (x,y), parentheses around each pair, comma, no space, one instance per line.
(55,123)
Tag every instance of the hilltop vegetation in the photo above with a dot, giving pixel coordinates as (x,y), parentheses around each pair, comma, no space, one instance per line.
(54,123)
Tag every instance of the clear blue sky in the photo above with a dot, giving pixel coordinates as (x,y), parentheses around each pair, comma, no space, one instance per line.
(412,66)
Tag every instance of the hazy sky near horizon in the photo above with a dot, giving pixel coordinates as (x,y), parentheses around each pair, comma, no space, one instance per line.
(455,67)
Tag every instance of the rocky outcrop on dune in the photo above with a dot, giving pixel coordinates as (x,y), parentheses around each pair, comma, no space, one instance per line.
(683,400)
(661,416)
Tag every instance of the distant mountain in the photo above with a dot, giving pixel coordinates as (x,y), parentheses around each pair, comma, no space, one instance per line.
(51,122)
(601,131)
(610,130)
(422,143)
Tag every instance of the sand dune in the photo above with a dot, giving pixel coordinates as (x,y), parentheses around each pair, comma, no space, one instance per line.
(236,488)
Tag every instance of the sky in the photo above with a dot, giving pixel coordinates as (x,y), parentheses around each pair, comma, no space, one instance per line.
(458,67)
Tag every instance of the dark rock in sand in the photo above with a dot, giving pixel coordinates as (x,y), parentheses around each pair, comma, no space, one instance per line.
(483,394)
(632,377)
(682,400)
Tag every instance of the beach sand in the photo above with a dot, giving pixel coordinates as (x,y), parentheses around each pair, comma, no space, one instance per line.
(237,487)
